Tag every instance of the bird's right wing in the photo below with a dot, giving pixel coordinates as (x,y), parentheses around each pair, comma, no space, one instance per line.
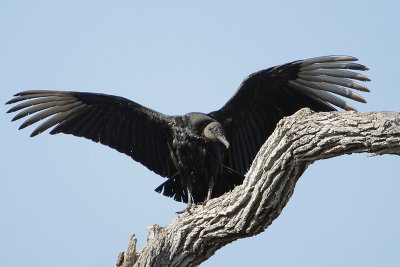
(132,129)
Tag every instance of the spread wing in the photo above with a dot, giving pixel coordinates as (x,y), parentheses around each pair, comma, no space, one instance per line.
(119,123)
(266,96)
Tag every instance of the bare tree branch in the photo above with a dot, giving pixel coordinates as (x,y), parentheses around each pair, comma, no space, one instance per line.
(249,209)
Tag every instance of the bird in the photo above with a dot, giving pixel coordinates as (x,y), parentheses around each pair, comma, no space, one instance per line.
(202,155)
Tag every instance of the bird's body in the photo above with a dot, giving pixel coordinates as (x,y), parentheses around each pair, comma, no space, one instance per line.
(198,158)
(197,152)
(202,155)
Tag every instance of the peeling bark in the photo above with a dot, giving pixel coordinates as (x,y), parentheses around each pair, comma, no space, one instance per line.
(249,209)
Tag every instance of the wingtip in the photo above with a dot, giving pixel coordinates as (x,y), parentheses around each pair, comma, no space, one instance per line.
(12,101)
(361,100)
(349,107)
(343,58)
(23,125)
(19,94)
(11,110)
(34,133)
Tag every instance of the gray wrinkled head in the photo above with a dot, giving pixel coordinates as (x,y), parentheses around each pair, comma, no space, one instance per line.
(215,132)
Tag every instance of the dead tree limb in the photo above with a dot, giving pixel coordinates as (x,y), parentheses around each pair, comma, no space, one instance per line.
(249,209)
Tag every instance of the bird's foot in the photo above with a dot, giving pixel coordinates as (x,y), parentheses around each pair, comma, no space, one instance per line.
(203,203)
(185,210)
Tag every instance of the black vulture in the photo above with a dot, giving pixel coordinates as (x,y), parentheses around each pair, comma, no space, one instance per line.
(202,155)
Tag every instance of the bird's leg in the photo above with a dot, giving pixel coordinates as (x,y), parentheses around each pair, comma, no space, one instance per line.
(210,189)
(189,195)
(209,192)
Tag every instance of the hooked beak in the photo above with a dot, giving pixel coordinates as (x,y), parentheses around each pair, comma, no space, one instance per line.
(223,140)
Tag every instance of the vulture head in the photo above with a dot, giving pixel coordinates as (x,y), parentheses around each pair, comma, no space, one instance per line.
(215,132)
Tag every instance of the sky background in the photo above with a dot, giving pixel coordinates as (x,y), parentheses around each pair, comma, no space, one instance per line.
(66,201)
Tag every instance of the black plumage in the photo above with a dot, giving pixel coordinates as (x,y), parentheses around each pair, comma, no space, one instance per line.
(202,155)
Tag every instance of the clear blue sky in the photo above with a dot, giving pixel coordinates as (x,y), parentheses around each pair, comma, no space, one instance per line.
(66,201)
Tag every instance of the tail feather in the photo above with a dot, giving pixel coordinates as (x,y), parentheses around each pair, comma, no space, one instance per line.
(173,187)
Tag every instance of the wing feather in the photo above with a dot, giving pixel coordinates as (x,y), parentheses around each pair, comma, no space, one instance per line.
(266,96)
(119,123)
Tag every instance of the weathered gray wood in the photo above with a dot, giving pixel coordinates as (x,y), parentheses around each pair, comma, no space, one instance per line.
(249,209)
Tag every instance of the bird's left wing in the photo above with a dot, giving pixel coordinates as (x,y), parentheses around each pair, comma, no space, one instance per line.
(119,123)
(266,96)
